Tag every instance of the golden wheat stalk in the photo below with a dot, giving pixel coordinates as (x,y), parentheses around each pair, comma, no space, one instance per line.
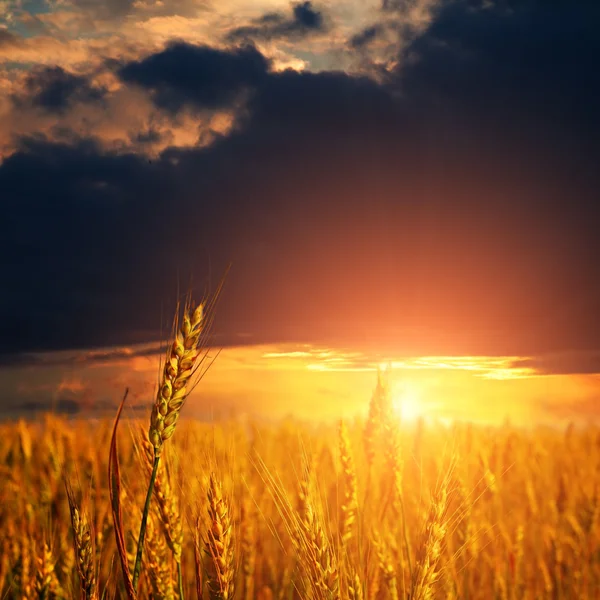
(84,553)
(159,563)
(429,553)
(22,562)
(248,545)
(386,566)
(168,505)
(178,369)
(316,555)
(395,469)
(377,409)
(349,505)
(46,582)
(355,587)
(180,365)
(219,544)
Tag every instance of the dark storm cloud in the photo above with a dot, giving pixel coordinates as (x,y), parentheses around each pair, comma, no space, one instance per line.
(457,196)
(66,406)
(562,363)
(200,76)
(149,136)
(55,90)
(79,358)
(303,21)
(516,61)
(366,36)
(73,403)
(73,226)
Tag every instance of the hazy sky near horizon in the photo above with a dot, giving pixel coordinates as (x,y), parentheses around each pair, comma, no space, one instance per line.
(411,177)
(307,382)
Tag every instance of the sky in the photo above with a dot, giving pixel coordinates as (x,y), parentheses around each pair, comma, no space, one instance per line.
(391,181)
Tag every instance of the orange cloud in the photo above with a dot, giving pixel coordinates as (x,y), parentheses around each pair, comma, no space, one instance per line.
(80,37)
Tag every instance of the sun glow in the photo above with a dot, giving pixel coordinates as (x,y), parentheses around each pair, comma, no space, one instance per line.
(407,404)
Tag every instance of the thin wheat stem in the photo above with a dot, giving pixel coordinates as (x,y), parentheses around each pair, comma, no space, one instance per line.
(140,547)
(180,580)
(406,542)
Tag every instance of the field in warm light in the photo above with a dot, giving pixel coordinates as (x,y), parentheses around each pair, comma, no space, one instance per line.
(399,501)
(389,506)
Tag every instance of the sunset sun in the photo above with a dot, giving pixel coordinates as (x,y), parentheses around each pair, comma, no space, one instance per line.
(407,403)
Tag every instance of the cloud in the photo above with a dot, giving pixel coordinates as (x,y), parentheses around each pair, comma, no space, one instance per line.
(378,47)
(110,10)
(562,363)
(8,39)
(366,36)
(61,406)
(451,193)
(303,21)
(62,50)
(103,10)
(397,5)
(125,120)
(68,406)
(186,74)
(504,64)
(98,357)
(69,395)
(56,90)
(305,16)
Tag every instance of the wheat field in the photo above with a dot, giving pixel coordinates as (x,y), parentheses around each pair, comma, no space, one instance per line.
(370,508)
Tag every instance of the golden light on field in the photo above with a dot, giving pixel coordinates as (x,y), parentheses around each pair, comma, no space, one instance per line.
(401,483)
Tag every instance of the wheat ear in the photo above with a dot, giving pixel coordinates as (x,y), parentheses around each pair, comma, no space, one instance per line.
(46,582)
(429,553)
(84,553)
(219,545)
(248,546)
(350,503)
(313,544)
(172,392)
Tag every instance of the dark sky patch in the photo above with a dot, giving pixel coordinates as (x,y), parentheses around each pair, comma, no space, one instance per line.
(149,136)
(304,20)
(204,77)
(366,36)
(530,65)
(66,406)
(55,90)
(77,403)
(77,358)
(562,363)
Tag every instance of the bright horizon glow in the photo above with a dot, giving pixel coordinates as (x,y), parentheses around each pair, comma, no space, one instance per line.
(407,404)
(308,382)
